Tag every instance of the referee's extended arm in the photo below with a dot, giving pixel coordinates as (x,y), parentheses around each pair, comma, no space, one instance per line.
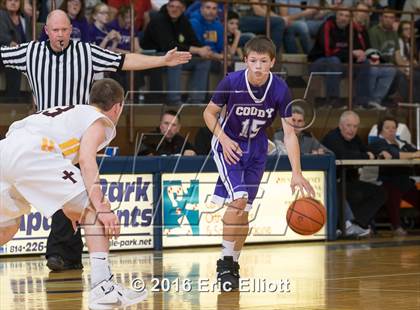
(142,62)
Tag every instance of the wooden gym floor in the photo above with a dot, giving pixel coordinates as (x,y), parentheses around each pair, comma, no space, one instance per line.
(373,274)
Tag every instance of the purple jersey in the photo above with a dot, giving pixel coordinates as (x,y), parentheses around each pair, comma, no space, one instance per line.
(97,35)
(125,42)
(251,109)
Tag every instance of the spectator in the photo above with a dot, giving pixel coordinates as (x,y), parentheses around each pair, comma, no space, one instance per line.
(236,39)
(365,199)
(403,58)
(380,76)
(383,36)
(166,140)
(98,30)
(255,22)
(141,11)
(15,28)
(331,51)
(121,25)
(307,143)
(169,29)
(296,25)
(208,28)
(396,180)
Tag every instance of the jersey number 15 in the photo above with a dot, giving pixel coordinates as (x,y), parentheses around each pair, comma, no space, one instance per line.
(248,132)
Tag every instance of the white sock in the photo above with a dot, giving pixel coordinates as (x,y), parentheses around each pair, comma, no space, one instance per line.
(99,268)
(227,248)
(236,255)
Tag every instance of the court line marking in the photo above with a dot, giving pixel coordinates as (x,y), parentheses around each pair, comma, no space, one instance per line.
(371,289)
(375,276)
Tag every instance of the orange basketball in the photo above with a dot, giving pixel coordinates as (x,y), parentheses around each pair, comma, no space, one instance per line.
(306,216)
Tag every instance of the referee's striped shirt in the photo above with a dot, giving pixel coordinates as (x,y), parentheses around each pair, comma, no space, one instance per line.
(60,78)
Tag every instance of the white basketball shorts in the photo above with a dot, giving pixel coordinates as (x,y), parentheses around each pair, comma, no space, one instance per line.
(30,175)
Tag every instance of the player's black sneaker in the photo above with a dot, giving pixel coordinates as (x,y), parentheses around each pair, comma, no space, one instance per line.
(228,273)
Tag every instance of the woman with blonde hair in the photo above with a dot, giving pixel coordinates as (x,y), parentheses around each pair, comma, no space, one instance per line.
(99,32)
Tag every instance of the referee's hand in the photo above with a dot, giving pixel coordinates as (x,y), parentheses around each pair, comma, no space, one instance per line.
(174,58)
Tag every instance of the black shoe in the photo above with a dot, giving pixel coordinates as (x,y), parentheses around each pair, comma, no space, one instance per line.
(228,274)
(57,263)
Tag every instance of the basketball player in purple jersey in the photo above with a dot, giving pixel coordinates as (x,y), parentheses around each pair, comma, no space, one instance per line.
(251,98)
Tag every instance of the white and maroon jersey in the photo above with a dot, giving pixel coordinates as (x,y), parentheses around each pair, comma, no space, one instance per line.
(62,128)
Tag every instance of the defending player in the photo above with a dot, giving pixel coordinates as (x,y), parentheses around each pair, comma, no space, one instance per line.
(252,98)
(37,168)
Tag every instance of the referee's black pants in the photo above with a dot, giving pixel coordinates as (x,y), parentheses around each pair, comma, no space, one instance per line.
(62,241)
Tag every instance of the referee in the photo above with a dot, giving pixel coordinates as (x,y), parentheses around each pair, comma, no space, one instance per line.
(60,73)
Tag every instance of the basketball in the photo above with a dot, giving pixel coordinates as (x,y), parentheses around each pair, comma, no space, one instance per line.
(306,216)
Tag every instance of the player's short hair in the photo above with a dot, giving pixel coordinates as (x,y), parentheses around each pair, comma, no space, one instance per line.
(173,113)
(261,45)
(106,93)
(383,120)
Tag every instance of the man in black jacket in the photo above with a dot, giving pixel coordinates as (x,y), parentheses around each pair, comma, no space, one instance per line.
(331,51)
(171,28)
(166,140)
(365,198)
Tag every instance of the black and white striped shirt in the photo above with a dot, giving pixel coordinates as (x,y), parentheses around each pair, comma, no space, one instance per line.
(60,78)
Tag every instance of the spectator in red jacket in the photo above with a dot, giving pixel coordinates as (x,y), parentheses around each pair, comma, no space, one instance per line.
(331,51)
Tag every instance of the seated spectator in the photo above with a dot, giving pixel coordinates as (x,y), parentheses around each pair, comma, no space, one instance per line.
(121,25)
(381,76)
(403,58)
(331,52)
(166,140)
(296,25)
(403,133)
(195,7)
(15,28)
(236,39)
(89,5)
(208,28)
(75,9)
(365,199)
(98,30)
(169,29)
(307,143)
(141,11)
(255,21)
(396,180)
(384,38)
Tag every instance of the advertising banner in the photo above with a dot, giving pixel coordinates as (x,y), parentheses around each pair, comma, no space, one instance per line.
(190,218)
